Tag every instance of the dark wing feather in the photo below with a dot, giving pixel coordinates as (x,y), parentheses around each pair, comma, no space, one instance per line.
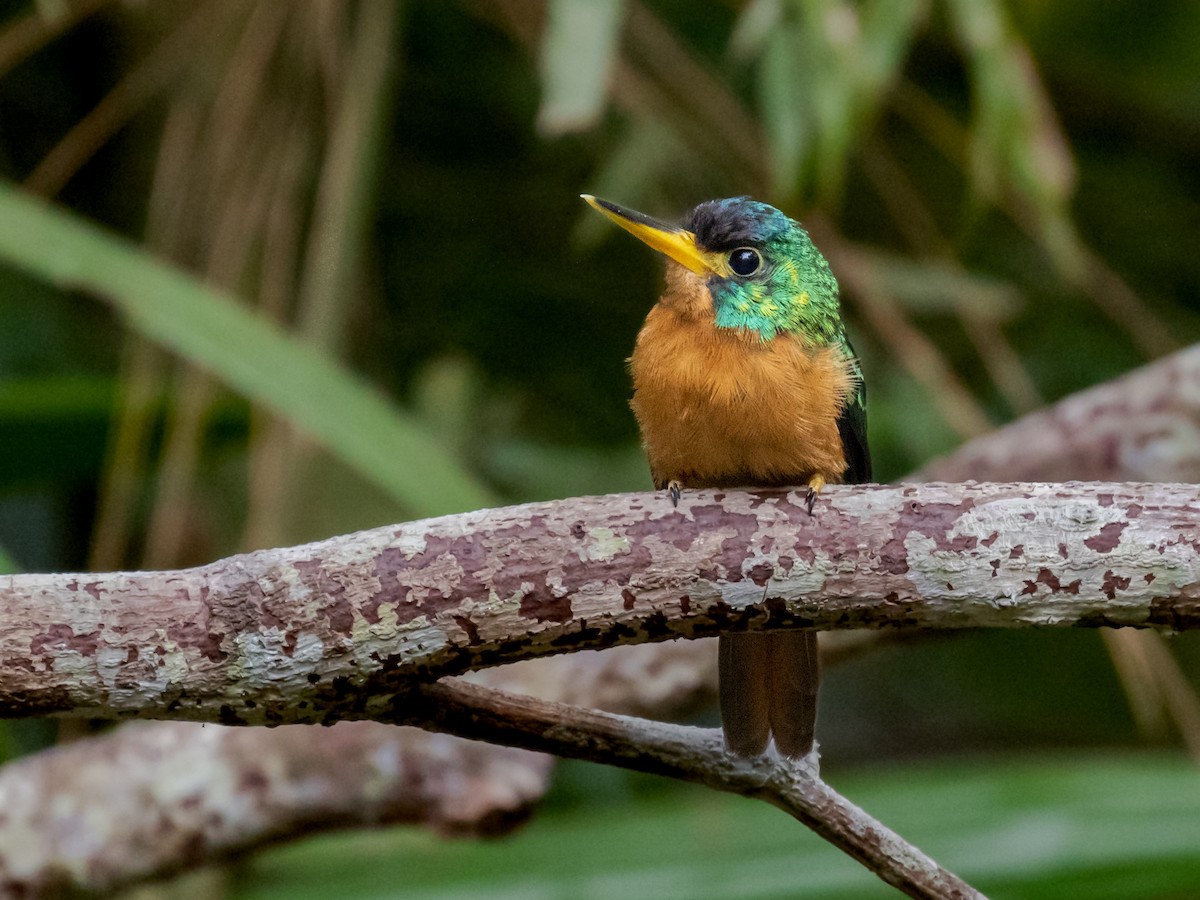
(852,427)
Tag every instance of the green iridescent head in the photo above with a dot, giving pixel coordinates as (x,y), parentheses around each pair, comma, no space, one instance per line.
(764,272)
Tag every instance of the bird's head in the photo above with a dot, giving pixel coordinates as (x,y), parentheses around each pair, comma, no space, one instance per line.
(744,263)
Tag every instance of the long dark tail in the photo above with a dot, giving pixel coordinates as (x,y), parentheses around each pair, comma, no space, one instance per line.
(769,688)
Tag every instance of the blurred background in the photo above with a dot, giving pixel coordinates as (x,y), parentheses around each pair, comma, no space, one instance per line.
(1008,190)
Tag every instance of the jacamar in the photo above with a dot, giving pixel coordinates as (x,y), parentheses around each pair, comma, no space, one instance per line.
(743,376)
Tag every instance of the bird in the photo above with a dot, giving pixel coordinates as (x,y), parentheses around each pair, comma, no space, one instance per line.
(743,376)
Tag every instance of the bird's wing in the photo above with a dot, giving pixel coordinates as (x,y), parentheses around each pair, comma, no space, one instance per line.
(852,427)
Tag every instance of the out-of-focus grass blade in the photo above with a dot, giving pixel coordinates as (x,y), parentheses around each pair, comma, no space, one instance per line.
(578,50)
(784,91)
(248,353)
(8,565)
(753,27)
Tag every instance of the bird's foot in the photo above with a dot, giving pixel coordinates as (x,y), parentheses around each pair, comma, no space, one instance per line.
(814,487)
(674,488)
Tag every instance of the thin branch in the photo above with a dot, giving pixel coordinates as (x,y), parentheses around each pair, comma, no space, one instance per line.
(689,754)
(131,788)
(150,77)
(22,37)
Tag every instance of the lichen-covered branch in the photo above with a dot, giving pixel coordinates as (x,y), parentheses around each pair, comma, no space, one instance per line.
(1143,426)
(333,630)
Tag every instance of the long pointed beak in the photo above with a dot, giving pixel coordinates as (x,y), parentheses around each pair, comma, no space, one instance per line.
(675,242)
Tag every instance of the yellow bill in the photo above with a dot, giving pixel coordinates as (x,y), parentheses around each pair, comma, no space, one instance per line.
(675,242)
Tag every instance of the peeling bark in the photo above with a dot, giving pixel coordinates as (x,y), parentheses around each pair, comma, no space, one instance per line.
(333,630)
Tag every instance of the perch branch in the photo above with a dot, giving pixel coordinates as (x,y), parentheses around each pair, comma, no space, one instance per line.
(333,630)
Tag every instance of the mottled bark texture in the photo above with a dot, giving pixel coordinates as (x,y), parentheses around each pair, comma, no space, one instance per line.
(152,798)
(98,814)
(334,630)
(1144,426)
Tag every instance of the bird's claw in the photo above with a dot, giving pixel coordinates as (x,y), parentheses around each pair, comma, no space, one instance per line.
(674,488)
(814,488)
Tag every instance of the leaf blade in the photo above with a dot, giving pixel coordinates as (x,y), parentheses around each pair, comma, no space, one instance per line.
(248,353)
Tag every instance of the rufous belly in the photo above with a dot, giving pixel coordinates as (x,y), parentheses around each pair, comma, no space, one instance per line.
(719,407)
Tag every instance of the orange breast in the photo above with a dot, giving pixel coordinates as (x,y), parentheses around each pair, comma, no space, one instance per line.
(719,407)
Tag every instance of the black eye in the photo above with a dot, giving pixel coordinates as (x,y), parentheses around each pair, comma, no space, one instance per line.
(745,261)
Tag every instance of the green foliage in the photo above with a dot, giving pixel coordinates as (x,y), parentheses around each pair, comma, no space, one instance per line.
(244,350)
(1005,190)
(577,53)
(1098,827)
(823,71)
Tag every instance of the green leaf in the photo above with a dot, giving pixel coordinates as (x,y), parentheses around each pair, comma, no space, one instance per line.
(578,51)
(825,69)
(856,52)
(784,94)
(247,352)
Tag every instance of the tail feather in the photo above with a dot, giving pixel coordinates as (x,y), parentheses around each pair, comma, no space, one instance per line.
(744,669)
(796,671)
(768,687)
